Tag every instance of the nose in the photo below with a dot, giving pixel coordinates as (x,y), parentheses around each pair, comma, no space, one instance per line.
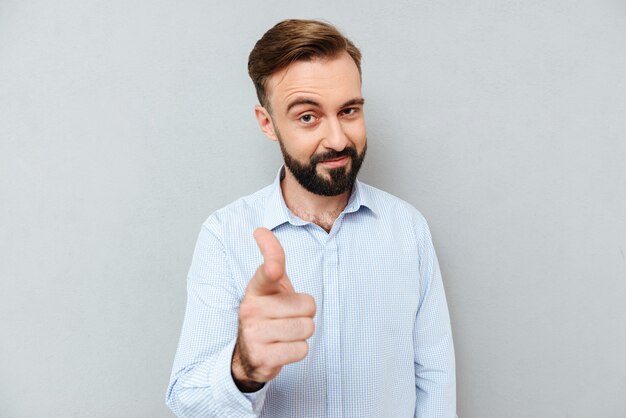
(335,136)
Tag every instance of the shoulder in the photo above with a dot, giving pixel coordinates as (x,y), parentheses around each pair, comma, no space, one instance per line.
(390,206)
(247,210)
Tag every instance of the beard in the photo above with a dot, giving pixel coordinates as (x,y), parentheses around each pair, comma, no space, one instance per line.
(340,179)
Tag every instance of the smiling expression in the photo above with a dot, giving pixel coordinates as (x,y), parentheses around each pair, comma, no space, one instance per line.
(317,116)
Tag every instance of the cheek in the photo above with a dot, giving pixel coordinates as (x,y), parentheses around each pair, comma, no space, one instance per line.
(357,133)
(302,144)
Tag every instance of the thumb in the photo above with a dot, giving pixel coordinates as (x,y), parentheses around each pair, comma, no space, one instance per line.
(270,277)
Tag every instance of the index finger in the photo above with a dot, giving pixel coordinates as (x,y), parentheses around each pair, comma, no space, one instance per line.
(272,252)
(270,277)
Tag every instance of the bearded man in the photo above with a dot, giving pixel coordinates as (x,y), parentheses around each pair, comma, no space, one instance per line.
(317,296)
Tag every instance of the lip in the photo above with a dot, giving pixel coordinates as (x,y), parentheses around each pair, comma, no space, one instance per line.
(336,162)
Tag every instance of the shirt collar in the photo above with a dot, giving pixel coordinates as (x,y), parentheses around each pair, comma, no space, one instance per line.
(277,213)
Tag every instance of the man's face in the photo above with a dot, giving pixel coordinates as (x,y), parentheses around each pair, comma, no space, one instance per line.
(317,117)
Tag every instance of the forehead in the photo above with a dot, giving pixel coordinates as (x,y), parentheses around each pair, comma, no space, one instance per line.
(326,80)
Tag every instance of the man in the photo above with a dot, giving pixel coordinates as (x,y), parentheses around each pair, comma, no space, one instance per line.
(318,296)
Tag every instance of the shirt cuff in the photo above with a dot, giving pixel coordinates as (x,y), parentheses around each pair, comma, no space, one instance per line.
(257,399)
(223,381)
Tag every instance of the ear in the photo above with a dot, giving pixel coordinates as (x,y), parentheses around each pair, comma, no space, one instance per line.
(265,122)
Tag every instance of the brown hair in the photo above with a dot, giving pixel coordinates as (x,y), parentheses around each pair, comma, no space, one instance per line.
(295,40)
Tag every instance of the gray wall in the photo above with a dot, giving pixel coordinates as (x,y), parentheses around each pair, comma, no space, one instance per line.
(124,124)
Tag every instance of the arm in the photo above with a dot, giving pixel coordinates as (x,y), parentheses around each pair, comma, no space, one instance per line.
(435,377)
(232,341)
(201,382)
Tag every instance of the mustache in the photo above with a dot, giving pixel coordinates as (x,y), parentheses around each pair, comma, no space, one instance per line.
(331,155)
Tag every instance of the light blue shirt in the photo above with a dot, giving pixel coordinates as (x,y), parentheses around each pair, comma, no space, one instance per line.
(382,345)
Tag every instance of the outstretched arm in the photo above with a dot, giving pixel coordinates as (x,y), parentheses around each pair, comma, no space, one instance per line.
(232,343)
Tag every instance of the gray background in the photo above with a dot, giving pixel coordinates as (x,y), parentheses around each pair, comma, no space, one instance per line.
(124,124)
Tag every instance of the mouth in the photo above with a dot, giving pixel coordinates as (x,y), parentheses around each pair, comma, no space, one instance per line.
(335,162)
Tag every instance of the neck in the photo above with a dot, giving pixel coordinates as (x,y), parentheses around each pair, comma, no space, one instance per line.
(311,207)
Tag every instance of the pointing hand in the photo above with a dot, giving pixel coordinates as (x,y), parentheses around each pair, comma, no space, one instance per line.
(274,320)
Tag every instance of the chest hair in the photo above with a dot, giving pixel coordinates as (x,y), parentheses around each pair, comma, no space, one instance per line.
(324,219)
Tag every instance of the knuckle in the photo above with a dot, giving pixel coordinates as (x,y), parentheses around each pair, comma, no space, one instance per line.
(256,330)
(256,359)
(249,330)
(266,374)
(249,309)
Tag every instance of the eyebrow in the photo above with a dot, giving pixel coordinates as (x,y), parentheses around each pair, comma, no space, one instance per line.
(304,101)
(358,101)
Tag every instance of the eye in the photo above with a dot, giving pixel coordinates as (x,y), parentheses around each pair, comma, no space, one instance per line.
(349,111)
(307,119)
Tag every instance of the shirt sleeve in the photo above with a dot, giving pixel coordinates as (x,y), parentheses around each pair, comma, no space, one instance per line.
(435,376)
(201,384)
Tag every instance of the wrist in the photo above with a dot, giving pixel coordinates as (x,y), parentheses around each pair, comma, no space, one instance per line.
(240,377)
(248,386)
